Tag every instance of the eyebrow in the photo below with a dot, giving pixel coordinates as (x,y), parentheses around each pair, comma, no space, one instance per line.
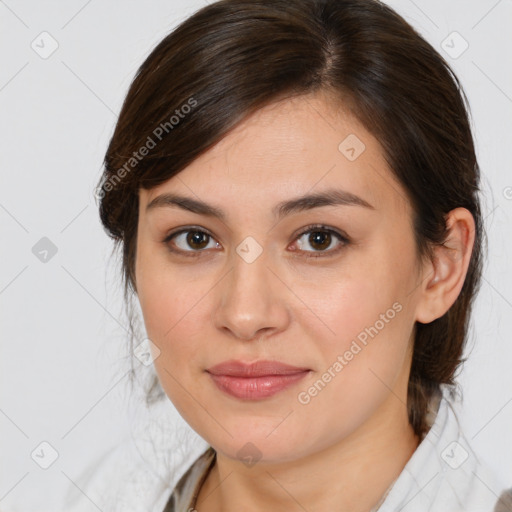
(303,203)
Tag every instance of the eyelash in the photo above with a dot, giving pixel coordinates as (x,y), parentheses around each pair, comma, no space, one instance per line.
(308,229)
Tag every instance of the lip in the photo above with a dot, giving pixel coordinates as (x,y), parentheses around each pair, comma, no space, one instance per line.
(255,381)
(261,368)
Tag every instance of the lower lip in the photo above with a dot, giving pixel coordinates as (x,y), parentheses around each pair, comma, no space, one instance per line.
(256,388)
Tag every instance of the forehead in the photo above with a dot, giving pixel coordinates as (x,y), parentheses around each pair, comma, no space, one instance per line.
(288,148)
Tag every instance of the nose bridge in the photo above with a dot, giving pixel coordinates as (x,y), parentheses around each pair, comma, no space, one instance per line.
(249,299)
(249,274)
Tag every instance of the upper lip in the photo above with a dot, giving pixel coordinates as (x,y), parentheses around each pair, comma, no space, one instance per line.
(257,369)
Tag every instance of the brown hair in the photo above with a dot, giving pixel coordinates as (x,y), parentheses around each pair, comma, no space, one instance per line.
(233,57)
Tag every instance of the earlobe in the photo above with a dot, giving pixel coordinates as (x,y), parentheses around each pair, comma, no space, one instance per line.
(444,276)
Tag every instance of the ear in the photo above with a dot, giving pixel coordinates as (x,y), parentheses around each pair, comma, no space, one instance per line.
(443,278)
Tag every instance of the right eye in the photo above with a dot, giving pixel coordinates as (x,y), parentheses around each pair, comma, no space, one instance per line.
(191,237)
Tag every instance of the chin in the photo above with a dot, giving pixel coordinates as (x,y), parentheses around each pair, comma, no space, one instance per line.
(251,444)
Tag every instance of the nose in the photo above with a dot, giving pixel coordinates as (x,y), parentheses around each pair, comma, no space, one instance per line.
(251,301)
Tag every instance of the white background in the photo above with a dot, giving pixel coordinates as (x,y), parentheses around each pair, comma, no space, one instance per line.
(64,358)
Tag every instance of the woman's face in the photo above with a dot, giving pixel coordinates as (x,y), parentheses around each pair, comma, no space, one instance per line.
(337,300)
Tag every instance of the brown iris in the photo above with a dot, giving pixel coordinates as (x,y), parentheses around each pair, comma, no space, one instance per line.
(320,239)
(199,238)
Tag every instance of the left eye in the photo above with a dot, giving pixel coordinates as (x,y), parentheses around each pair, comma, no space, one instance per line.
(319,237)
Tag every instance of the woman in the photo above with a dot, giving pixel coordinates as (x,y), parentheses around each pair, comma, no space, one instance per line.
(294,188)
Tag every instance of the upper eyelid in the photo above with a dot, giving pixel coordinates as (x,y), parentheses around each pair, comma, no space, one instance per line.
(179,231)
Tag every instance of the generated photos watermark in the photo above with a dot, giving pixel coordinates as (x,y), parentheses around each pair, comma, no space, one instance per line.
(305,397)
(151,142)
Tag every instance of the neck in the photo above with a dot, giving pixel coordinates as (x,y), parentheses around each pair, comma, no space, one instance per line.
(353,474)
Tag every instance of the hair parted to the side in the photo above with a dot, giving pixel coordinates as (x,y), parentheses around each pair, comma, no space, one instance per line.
(233,57)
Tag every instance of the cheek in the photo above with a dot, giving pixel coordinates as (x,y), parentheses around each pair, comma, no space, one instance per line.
(175,308)
(174,315)
(170,313)
(367,323)
(161,294)
(158,298)
(360,364)
(370,338)
(341,306)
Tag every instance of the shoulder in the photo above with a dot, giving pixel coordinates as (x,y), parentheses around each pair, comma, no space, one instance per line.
(445,473)
(116,480)
(140,472)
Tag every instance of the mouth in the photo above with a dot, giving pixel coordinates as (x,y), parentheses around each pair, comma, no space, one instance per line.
(255,381)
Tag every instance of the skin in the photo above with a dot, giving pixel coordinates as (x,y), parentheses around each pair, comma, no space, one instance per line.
(343,449)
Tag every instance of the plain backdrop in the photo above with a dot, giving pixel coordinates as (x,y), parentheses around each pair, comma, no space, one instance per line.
(65,69)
